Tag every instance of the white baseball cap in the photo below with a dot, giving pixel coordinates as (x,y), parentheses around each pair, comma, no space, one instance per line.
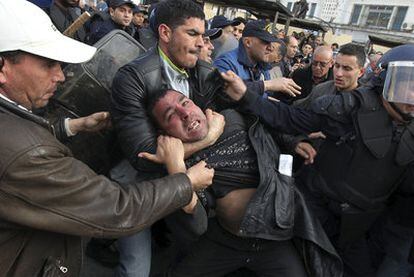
(25,27)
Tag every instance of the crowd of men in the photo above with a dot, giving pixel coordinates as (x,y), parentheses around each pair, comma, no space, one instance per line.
(204,119)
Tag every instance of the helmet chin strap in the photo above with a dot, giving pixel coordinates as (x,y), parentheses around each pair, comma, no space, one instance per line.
(404,116)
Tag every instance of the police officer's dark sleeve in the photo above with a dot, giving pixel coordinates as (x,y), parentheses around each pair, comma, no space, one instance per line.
(280,116)
(287,142)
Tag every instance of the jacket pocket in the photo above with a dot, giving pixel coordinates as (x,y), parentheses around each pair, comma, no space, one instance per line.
(53,268)
(285,201)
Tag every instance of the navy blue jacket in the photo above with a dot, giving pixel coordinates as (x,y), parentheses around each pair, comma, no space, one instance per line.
(237,61)
(99,28)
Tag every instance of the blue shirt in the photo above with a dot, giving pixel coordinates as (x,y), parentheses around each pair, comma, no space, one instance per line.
(239,62)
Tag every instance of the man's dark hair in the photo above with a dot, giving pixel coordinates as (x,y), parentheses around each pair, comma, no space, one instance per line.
(153,100)
(241,20)
(173,13)
(352,49)
(282,48)
(335,44)
(12,56)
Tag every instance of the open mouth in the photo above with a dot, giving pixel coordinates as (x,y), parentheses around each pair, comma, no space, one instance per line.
(194,125)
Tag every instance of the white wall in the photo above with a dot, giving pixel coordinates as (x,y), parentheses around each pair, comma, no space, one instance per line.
(345,10)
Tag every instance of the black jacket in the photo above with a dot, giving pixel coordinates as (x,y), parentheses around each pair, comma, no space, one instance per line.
(102,25)
(277,211)
(303,77)
(135,83)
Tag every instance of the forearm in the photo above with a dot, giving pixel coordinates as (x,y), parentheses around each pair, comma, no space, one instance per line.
(280,116)
(287,142)
(179,167)
(93,205)
(191,148)
(268,85)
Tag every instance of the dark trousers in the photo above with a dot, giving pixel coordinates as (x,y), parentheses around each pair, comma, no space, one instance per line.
(219,252)
(355,254)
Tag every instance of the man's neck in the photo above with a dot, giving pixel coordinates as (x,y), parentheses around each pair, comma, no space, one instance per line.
(318,80)
(165,57)
(5,97)
(119,26)
(252,61)
(350,88)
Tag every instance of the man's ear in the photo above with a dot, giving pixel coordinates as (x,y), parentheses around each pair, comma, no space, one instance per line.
(361,72)
(2,76)
(247,42)
(111,11)
(165,33)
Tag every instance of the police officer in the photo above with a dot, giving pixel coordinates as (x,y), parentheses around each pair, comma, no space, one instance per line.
(368,151)
(119,17)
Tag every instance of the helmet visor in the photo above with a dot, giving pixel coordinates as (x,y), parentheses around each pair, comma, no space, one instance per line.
(399,82)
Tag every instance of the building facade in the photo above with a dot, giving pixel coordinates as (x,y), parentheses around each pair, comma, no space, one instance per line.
(361,18)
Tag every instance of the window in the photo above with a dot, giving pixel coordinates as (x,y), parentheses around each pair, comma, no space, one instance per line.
(399,18)
(379,16)
(312,10)
(355,14)
(289,6)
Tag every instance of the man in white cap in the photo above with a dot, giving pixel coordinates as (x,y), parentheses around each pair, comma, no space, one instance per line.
(49,200)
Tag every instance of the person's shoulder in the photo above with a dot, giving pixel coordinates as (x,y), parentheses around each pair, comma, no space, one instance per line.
(23,134)
(335,105)
(147,62)
(230,55)
(205,73)
(227,61)
(328,85)
(233,53)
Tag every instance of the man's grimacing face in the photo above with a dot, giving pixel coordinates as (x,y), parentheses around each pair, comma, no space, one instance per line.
(185,42)
(179,117)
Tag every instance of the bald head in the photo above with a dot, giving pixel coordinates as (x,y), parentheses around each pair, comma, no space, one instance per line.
(323,52)
(322,62)
(373,60)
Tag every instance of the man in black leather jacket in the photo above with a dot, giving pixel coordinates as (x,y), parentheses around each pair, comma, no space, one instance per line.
(173,63)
